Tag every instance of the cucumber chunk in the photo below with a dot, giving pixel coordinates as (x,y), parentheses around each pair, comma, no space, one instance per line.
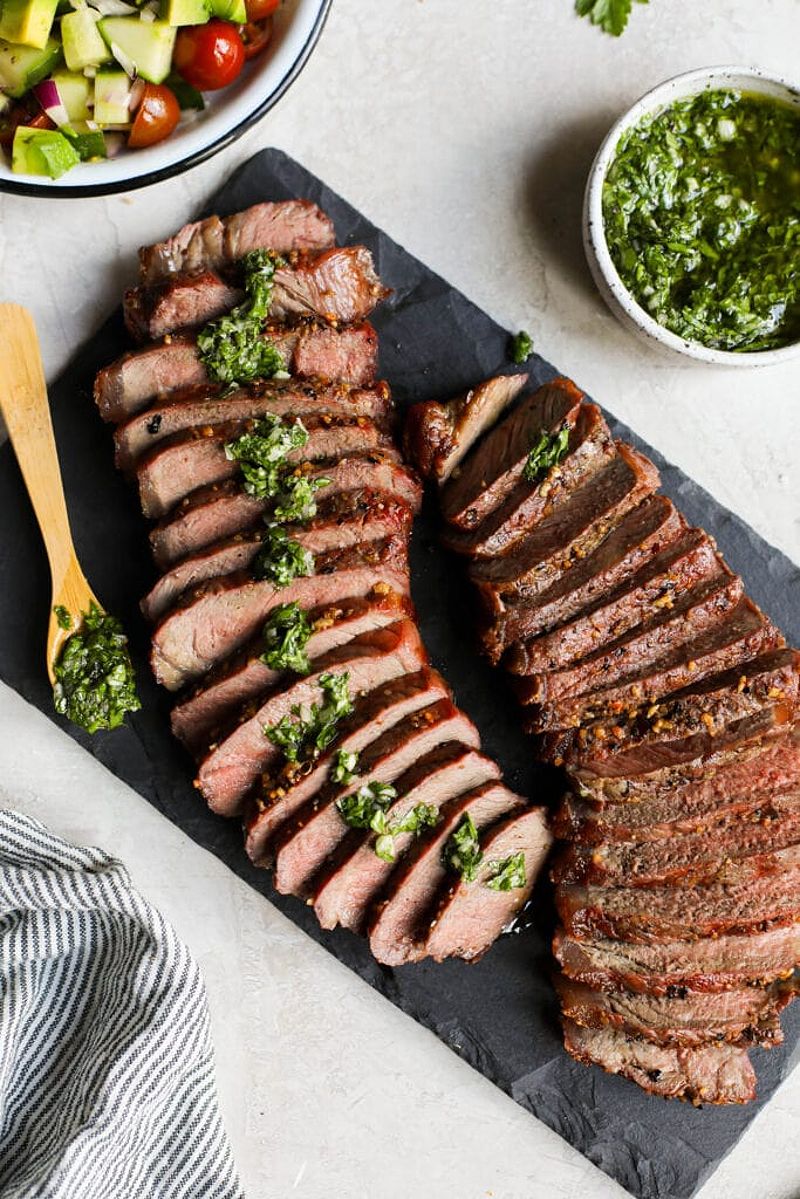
(149,46)
(27,22)
(83,45)
(42,152)
(21,67)
(112,98)
(75,92)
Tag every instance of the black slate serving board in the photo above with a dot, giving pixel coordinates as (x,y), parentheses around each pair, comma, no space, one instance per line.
(499,1015)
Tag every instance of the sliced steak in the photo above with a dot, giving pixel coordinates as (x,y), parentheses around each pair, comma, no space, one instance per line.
(196,457)
(214,243)
(714,1074)
(306,841)
(207,407)
(399,922)
(743,850)
(677,728)
(723,793)
(219,510)
(590,449)
(337,286)
(219,617)
(710,964)
(348,519)
(637,538)
(471,916)
(348,355)
(346,889)
(748,1015)
(488,476)
(240,679)
(572,531)
(288,788)
(232,764)
(439,435)
(680,567)
(642,915)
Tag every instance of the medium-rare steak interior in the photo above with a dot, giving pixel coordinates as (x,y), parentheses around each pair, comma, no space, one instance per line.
(264,449)
(672,703)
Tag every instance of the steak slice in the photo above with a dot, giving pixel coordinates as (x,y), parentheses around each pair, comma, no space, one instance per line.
(748,1015)
(439,435)
(636,540)
(713,1074)
(337,286)
(681,566)
(399,921)
(214,620)
(347,519)
(307,840)
(207,407)
(196,457)
(232,764)
(344,892)
(683,725)
(285,791)
(488,475)
(730,790)
(743,850)
(665,968)
(590,449)
(348,355)
(571,532)
(243,677)
(283,227)
(219,510)
(644,915)
(471,916)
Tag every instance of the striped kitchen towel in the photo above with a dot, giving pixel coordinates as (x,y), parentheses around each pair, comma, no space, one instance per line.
(106,1064)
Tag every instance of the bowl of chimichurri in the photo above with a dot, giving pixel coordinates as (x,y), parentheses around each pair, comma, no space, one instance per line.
(692,217)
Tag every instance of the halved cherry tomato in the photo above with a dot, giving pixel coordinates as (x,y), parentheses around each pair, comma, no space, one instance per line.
(258,10)
(25,112)
(256,36)
(156,117)
(209,56)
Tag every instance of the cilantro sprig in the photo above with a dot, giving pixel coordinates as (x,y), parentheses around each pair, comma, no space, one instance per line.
(611,15)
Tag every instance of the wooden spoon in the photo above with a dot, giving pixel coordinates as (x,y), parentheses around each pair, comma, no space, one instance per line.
(23,403)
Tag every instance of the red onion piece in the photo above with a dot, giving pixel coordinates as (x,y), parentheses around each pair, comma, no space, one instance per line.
(49,98)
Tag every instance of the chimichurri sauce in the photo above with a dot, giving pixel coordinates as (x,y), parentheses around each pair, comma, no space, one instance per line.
(701,208)
(95,684)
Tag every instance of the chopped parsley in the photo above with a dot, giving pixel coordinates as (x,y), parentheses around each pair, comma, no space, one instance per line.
(508,874)
(281,559)
(521,347)
(701,207)
(610,15)
(547,451)
(233,349)
(345,766)
(286,634)
(63,618)
(305,737)
(95,684)
(462,853)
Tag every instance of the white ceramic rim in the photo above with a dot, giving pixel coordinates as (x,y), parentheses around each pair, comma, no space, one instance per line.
(611,287)
(228,114)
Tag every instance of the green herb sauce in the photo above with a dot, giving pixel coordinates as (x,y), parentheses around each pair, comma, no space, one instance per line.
(95,684)
(261,454)
(701,208)
(546,452)
(509,874)
(302,738)
(286,635)
(521,347)
(282,559)
(233,348)
(463,854)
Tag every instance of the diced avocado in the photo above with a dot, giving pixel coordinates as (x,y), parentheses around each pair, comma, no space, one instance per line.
(27,22)
(89,143)
(22,66)
(75,92)
(184,12)
(42,152)
(112,98)
(83,45)
(148,45)
(229,10)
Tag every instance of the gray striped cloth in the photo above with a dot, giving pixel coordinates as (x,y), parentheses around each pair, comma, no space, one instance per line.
(106,1064)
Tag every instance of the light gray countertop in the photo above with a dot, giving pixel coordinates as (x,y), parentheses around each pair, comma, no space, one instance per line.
(465,130)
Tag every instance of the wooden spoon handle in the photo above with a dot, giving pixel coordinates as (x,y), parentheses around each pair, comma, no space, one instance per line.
(23,402)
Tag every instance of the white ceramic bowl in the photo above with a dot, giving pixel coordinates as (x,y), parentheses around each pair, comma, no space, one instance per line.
(611,287)
(228,113)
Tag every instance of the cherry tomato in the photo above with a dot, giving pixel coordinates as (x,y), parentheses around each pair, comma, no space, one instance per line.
(256,36)
(156,117)
(209,56)
(258,10)
(25,112)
